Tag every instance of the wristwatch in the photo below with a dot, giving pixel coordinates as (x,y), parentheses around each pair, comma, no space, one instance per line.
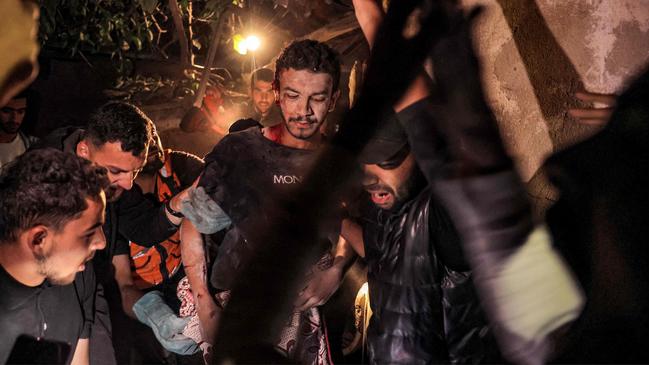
(173,212)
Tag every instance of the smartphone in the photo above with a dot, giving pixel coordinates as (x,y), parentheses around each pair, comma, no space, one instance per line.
(30,350)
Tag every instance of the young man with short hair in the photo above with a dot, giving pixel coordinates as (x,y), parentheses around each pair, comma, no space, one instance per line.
(51,216)
(248,171)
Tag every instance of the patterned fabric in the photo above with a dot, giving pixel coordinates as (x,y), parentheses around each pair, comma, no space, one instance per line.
(188,309)
(303,339)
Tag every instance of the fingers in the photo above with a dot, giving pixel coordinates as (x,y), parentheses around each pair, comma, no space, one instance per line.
(591,113)
(311,302)
(594,116)
(608,99)
(592,122)
(591,116)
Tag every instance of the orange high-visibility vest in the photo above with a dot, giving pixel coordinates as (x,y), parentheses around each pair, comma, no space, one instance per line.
(151,266)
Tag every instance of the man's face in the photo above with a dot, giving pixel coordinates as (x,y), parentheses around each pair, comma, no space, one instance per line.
(74,244)
(262,96)
(389,187)
(305,99)
(122,166)
(12,115)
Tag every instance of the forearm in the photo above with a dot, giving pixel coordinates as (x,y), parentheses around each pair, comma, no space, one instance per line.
(124,278)
(195,265)
(81,353)
(176,204)
(130,295)
(369,16)
(143,221)
(353,237)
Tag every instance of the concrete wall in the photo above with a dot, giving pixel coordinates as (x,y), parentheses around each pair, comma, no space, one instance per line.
(537,53)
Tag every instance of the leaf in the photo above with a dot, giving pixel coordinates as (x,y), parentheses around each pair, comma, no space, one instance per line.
(138,42)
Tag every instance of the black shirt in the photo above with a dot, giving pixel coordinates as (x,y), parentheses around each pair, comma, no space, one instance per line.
(246,174)
(62,313)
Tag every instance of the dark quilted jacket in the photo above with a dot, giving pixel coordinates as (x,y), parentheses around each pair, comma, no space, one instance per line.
(423,312)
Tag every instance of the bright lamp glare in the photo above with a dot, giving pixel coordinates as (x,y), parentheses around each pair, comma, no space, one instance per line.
(239,44)
(252,43)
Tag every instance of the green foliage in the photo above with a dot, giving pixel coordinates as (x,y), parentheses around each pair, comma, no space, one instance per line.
(115,27)
(127,29)
(153,89)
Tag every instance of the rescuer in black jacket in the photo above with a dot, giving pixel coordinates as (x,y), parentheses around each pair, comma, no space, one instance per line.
(424,306)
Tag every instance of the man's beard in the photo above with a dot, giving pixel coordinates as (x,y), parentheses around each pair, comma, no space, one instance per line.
(301,133)
(410,188)
(44,270)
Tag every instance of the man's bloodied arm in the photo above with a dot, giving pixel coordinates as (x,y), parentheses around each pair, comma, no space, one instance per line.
(195,265)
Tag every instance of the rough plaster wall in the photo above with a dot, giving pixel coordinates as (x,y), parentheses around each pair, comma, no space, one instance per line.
(537,53)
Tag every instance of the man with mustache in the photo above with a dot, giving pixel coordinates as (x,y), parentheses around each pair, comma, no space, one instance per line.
(246,174)
(51,216)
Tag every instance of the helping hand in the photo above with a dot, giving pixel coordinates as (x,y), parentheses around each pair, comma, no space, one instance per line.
(320,287)
(166,325)
(203,212)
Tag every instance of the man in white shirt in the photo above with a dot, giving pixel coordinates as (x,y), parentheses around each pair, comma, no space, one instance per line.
(13,142)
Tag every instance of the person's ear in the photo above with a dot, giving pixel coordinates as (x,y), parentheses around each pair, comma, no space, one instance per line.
(83,150)
(38,239)
(334,100)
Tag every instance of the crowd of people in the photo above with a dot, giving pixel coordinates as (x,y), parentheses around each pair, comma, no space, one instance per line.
(115,249)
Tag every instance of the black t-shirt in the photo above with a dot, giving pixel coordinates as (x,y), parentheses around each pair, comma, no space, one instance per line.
(247,171)
(62,313)
(247,174)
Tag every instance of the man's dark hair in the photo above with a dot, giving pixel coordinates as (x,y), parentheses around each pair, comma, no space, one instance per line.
(309,55)
(48,187)
(261,74)
(120,122)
